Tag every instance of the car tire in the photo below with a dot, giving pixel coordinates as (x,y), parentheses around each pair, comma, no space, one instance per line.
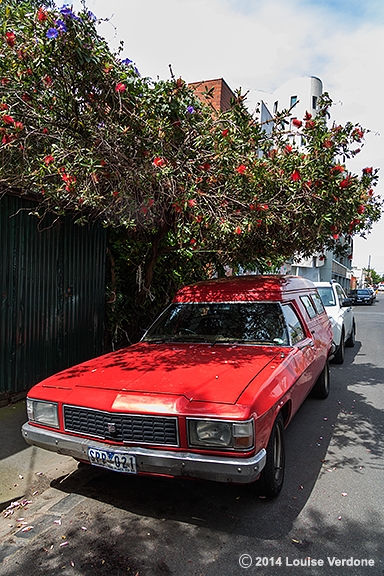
(272,476)
(322,386)
(352,337)
(340,354)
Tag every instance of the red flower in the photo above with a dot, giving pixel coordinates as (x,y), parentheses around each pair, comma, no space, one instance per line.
(297,123)
(42,15)
(48,160)
(361,209)
(192,203)
(367,170)
(10,39)
(3,106)
(288,148)
(19,125)
(241,169)
(45,130)
(346,182)
(120,87)
(237,230)
(6,139)
(337,168)
(159,162)
(357,134)
(328,143)
(115,193)
(262,207)
(192,241)
(47,80)
(309,124)
(206,166)
(26,97)
(8,119)
(225,132)
(308,115)
(295,176)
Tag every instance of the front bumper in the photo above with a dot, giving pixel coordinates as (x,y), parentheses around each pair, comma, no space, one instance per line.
(154,461)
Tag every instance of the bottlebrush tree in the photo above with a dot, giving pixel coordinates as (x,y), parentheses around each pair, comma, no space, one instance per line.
(83,132)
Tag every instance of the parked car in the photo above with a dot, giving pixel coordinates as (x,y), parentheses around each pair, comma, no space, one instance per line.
(340,312)
(361,296)
(206,393)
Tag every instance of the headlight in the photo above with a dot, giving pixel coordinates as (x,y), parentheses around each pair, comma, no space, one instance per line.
(43,412)
(220,434)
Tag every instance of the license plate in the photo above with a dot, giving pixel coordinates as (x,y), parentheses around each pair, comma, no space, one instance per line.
(117,460)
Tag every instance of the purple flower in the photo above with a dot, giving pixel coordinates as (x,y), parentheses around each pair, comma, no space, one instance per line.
(61,26)
(67,12)
(190,110)
(126,61)
(136,71)
(91,16)
(52,33)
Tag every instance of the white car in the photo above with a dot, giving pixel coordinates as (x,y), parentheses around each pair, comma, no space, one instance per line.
(340,312)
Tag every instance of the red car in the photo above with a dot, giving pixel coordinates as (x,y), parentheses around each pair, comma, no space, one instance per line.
(206,393)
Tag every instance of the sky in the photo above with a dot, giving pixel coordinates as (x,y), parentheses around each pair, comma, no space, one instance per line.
(258,45)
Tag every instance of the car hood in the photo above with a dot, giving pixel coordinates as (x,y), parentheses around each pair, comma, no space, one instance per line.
(199,372)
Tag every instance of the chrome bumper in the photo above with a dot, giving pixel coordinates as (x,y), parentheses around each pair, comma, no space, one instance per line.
(154,461)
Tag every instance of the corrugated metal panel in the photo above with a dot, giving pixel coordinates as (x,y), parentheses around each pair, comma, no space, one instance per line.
(53,292)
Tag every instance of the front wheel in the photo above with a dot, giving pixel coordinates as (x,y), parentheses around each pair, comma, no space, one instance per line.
(340,354)
(272,476)
(321,388)
(352,338)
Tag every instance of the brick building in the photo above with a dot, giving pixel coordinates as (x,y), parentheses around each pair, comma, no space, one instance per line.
(221,93)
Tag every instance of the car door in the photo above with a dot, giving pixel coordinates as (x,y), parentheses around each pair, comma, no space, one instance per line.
(304,357)
(345,311)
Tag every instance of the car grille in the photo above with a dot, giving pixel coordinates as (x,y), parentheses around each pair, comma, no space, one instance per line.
(125,428)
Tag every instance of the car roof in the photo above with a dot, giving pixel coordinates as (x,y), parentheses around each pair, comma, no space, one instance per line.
(244,288)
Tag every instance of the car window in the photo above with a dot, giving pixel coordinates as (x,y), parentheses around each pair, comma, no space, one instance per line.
(308,305)
(246,322)
(318,303)
(340,293)
(295,328)
(327,295)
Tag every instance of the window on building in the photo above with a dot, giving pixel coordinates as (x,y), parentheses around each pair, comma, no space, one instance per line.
(275,106)
(293,100)
(314,102)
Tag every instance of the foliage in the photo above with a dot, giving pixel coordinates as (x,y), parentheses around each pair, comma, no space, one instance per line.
(85,133)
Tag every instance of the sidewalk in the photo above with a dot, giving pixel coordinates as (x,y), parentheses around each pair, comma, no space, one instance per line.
(24,469)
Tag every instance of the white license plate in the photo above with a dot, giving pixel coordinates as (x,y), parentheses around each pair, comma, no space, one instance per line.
(117,460)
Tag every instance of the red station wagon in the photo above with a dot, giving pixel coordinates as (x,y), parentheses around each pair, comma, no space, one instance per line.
(206,393)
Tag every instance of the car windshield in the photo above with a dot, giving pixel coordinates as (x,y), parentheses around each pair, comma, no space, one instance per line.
(364,292)
(245,322)
(327,296)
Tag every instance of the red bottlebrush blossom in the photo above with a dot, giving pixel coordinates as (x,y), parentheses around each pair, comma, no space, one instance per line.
(42,15)
(288,149)
(6,139)
(192,203)
(370,192)
(176,207)
(115,193)
(225,132)
(45,130)
(120,87)
(206,166)
(367,170)
(346,182)
(262,207)
(295,176)
(297,123)
(26,97)
(3,106)
(357,134)
(308,115)
(47,80)
(309,124)
(237,230)
(8,119)
(192,241)
(338,168)
(349,256)
(48,160)
(361,209)
(159,162)
(327,143)
(19,125)
(241,169)
(199,219)
(335,236)
(10,39)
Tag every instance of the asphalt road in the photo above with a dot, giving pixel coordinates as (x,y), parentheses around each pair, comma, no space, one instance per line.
(327,521)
